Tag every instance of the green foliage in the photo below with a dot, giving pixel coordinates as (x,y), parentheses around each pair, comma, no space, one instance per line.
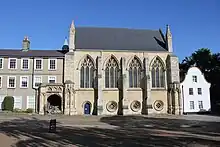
(29,110)
(17,110)
(8,103)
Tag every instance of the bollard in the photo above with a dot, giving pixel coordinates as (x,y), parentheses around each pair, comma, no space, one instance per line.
(52,127)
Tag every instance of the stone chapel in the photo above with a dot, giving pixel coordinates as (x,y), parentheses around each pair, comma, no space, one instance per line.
(116,71)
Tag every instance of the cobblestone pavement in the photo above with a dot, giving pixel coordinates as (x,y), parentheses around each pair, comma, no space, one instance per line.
(152,131)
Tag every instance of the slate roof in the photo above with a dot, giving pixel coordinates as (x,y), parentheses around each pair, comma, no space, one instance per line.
(30,53)
(102,39)
(119,39)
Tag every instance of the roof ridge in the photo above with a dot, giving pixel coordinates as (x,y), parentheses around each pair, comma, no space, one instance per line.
(102,27)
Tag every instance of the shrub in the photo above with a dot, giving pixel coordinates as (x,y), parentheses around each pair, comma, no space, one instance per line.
(29,110)
(8,103)
(17,110)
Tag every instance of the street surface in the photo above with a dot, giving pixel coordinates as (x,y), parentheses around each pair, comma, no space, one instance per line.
(22,130)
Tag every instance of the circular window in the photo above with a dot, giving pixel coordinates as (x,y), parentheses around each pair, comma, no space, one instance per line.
(158,105)
(135,106)
(111,106)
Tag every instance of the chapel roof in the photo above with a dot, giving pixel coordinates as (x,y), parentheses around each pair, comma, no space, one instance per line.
(119,39)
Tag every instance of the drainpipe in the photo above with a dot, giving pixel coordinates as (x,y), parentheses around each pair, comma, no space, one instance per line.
(183,98)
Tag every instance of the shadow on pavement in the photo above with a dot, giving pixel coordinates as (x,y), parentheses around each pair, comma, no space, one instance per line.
(130,131)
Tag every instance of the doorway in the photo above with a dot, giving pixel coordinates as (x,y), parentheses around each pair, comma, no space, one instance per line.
(87,108)
(54,101)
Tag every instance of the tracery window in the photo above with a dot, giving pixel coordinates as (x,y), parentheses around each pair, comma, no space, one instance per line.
(158,74)
(87,73)
(134,73)
(111,73)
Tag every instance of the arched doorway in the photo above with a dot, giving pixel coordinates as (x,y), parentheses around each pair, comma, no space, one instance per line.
(54,101)
(87,108)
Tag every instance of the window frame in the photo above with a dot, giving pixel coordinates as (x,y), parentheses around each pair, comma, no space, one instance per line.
(199,92)
(21,82)
(9,63)
(52,77)
(2,59)
(35,65)
(91,75)
(1,81)
(9,84)
(191,91)
(194,79)
(200,102)
(155,76)
(34,81)
(55,63)
(22,63)
(191,105)
(116,74)
(134,78)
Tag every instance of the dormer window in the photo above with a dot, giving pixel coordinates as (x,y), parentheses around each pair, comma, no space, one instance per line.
(194,78)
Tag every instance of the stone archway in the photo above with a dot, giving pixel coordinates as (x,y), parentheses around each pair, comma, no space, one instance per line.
(54,102)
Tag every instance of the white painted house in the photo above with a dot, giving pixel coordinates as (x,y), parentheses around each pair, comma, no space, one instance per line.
(195,92)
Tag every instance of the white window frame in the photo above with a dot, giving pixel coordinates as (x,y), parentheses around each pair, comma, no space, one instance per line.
(42,64)
(200,103)
(35,81)
(2,63)
(9,61)
(21,81)
(8,81)
(1,81)
(22,63)
(199,92)
(55,64)
(191,91)
(194,78)
(28,101)
(52,77)
(191,108)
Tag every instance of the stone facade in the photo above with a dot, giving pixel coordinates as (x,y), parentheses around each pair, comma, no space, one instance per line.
(123,99)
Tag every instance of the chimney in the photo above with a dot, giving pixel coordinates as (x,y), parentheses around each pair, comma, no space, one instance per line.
(25,44)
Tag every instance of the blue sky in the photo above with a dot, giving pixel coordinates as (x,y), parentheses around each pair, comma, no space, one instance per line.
(194,23)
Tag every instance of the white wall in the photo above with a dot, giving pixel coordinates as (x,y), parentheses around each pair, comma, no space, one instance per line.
(201,83)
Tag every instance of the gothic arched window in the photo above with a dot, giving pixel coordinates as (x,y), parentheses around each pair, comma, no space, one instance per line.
(135,73)
(111,73)
(87,73)
(157,74)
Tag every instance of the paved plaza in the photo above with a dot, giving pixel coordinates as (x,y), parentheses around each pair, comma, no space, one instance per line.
(102,131)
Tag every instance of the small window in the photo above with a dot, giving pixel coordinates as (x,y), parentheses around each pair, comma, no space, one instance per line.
(51,79)
(11,82)
(12,63)
(24,82)
(190,91)
(191,104)
(199,91)
(37,81)
(0,81)
(1,63)
(38,64)
(200,105)
(52,64)
(25,63)
(194,79)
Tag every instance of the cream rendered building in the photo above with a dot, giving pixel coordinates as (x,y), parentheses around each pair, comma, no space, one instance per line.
(116,71)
